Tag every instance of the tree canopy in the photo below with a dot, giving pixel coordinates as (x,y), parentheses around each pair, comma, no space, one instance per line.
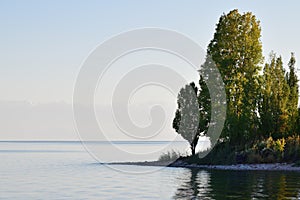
(262,101)
(193,113)
(236,50)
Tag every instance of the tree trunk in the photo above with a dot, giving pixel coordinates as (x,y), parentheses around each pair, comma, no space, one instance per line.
(193,148)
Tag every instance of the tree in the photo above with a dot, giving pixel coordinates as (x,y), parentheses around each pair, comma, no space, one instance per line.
(275,95)
(292,81)
(297,127)
(186,119)
(236,50)
(192,115)
(204,103)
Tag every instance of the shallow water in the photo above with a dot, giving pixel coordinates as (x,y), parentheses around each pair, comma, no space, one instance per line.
(66,171)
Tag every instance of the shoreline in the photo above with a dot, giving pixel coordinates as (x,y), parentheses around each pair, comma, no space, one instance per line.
(236,167)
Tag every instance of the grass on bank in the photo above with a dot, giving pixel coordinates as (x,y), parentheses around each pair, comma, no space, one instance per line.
(170,156)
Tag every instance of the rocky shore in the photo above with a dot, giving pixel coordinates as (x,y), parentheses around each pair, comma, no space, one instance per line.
(245,167)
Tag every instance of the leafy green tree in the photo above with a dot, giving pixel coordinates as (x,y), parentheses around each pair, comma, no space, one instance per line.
(275,95)
(193,113)
(237,52)
(186,119)
(212,100)
(259,106)
(292,81)
(204,102)
(297,124)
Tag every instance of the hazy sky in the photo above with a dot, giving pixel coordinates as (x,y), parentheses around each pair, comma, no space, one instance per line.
(43,44)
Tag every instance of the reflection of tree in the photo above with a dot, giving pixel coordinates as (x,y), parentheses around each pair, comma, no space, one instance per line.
(195,185)
(231,184)
(219,184)
(279,185)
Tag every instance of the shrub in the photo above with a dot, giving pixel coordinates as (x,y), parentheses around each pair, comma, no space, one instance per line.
(292,150)
(279,145)
(169,156)
(253,157)
(221,154)
(270,159)
(270,143)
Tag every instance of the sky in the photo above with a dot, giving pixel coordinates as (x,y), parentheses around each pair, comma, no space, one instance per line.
(44,43)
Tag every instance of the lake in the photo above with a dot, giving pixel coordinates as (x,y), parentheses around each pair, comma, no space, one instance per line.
(64,170)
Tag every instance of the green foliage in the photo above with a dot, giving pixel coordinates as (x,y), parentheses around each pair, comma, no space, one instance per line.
(237,51)
(270,142)
(274,100)
(221,154)
(279,145)
(292,148)
(263,119)
(253,158)
(297,123)
(204,102)
(292,104)
(186,119)
(193,113)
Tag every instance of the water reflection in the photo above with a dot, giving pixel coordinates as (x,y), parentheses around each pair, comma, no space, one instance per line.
(194,184)
(218,184)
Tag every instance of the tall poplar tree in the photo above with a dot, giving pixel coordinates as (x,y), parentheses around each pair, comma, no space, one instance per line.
(237,52)
(192,116)
(292,81)
(274,110)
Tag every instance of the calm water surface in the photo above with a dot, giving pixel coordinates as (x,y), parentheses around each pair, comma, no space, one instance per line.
(65,171)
